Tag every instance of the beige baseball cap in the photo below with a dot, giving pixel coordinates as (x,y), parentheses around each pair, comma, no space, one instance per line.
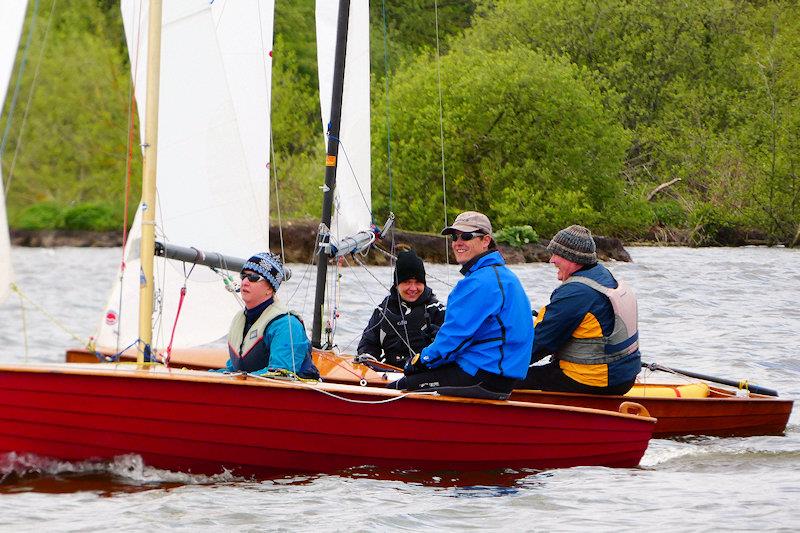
(469,221)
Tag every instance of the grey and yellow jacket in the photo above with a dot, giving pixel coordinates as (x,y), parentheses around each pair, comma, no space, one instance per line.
(593,343)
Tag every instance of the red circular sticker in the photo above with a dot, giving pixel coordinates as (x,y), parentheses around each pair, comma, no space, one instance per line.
(111,318)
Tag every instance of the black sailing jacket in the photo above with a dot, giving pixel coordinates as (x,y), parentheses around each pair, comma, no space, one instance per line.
(395,325)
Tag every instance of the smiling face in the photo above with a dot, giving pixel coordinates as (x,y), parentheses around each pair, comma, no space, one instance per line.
(410,290)
(466,250)
(564,267)
(254,293)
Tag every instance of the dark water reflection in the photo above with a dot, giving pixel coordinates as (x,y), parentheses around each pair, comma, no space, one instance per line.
(727,312)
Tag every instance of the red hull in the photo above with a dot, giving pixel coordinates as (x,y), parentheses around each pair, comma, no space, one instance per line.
(720,414)
(193,421)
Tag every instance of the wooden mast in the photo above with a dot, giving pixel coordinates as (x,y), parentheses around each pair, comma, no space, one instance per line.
(330,168)
(149,155)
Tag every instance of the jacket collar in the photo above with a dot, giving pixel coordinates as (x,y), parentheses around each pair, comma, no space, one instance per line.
(394,298)
(489,257)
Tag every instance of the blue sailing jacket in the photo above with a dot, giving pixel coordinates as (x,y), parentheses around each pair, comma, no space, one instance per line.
(488,325)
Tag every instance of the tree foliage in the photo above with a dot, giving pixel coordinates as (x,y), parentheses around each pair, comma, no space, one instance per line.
(73,146)
(553,112)
(513,149)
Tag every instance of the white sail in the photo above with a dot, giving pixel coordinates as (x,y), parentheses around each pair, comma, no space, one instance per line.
(213,152)
(12,15)
(352,201)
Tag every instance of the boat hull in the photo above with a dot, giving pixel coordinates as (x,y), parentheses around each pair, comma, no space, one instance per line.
(720,414)
(191,421)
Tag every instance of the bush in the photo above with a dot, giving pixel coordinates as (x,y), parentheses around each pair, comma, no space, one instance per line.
(669,213)
(46,215)
(709,221)
(90,216)
(516,236)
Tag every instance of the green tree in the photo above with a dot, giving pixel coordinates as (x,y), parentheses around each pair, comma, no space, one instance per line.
(522,133)
(73,147)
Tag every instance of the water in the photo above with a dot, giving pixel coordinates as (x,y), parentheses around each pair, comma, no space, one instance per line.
(726,312)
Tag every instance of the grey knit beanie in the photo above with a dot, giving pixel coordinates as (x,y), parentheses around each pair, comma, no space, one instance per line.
(575,244)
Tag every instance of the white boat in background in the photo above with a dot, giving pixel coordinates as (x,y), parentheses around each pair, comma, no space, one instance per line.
(12,17)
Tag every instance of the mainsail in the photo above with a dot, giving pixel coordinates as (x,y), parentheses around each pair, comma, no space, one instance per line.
(12,15)
(352,202)
(213,155)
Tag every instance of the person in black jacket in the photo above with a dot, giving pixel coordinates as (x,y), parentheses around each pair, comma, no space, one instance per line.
(407,320)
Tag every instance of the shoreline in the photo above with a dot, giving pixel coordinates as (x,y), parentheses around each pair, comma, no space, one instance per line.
(299,239)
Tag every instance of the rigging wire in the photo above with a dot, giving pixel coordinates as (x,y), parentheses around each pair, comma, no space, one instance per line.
(128,163)
(441,130)
(388,107)
(18,84)
(30,96)
(355,178)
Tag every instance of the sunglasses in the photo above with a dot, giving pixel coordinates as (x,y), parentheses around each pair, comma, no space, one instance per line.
(467,236)
(252,278)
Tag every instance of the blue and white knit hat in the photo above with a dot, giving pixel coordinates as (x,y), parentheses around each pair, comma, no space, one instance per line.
(268,265)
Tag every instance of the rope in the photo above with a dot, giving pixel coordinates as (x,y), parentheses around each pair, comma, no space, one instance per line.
(50,317)
(338,363)
(115,357)
(175,325)
(24,324)
(344,398)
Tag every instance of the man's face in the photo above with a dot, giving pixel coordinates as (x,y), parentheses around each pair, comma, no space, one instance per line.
(254,293)
(410,290)
(467,245)
(564,267)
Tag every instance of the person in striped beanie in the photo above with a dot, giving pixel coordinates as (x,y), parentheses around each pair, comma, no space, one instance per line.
(589,327)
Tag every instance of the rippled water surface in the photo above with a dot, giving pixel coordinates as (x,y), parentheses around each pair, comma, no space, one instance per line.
(726,312)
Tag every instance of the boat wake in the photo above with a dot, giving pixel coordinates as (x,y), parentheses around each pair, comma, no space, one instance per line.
(125,473)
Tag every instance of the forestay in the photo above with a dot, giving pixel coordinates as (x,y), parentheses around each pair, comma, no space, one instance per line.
(12,15)
(213,153)
(352,201)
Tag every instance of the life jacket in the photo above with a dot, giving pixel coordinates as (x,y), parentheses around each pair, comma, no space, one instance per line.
(624,339)
(249,353)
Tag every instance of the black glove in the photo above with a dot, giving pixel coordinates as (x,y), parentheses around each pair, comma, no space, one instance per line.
(414,366)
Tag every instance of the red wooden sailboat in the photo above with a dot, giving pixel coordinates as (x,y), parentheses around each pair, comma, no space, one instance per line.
(681,409)
(202,422)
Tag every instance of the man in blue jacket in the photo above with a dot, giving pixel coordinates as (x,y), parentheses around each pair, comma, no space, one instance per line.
(484,344)
(590,325)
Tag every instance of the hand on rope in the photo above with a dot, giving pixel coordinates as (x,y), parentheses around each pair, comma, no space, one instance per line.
(414,366)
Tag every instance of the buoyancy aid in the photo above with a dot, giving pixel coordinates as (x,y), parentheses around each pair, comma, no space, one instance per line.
(247,352)
(624,339)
